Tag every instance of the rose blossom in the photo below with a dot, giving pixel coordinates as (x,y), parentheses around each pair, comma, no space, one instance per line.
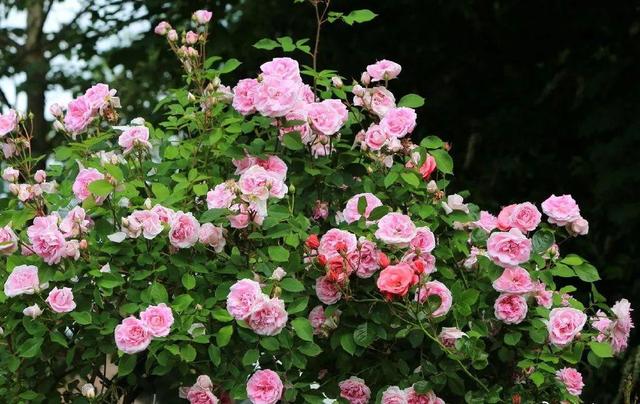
(8,122)
(328,116)
(23,280)
(395,280)
(428,167)
(259,184)
(10,174)
(221,197)
(561,209)
(515,280)
(621,326)
(580,227)
(564,324)
(132,335)
(184,230)
(351,212)
(436,288)
(149,221)
(201,397)
(449,335)
(511,309)
(365,259)
(383,70)
(81,184)
(98,96)
(32,311)
(398,122)
(572,380)
(243,296)
(328,292)
(396,229)
(162,28)
(487,222)
(354,390)
(213,236)
(191,38)
(320,210)
(509,248)
(334,241)
(394,395)
(79,115)
(317,319)
(8,241)
(158,319)
(244,96)
(428,398)
(282,68)
(264,387)
(134,136)
(164,214)
(523,216)
(61,300)
(72,249)
(268,317)
(543,297)
(275,97)
(46,240)
(424,240)
(454,202)
(375,138)
(202,16)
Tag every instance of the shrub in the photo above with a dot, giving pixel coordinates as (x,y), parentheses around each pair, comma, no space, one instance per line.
(281,241)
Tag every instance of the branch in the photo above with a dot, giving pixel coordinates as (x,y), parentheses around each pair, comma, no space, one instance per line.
(5,99)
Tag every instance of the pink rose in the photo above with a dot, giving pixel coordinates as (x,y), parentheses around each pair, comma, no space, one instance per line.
(515,280)
(422,264)
(317,319)
(8,122)
(264,387)
(383,70)
(202,16)
(244,96)
(157,319)
(98,96)
(572,380)
(436,288)
(40,176)
(275,97)
(259,184)
(424,240)
(162,28)
(134,136)
(509,248)
(268,317)
(132,336)
(149,221)
(621,326)
(243,296)
(375,138)
(427,398)
(561,209)
(354,390)
(212,236)
(395,280)
(328,116)
(9,149)
(8,241)
(398,122)
(543,297)
(201,397)
(61,300)
(10,174)
(449,335)
(365,259)
(487,222)
(273,164)
(164,214)
(428,167)
(72,249)
(396,229)
(380,100)
(335,241)
(511,309)
(328,292)
(351,212)
(579,227)
(79,115)
(320,210)
(394,395)
(23,280)
(191,38)
(523,216)
(564,324)
(34,311)
(455,202)
(299,114)
(46,240)
(221,197)
(81,184)
(282,68)
(184,230)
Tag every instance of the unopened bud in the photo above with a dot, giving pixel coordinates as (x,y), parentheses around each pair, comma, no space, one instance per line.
(365,78)
(278,274)
(84,244)
(88,390)
(432,187)
(337,82)
(172,35)
(58,126)
(56,110)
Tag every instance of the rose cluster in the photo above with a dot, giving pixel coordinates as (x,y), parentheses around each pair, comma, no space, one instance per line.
(263,314)
(24,280)
(29,192)
(99,101)
(52,238)
(134,335)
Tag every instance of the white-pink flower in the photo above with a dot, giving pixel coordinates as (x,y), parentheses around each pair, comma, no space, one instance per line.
(268,317)
(61,300)
(335,241)
(396,229)
(23,280)
(8,122)
(212,236)
(81,184)
(132,335)
(242,298)
(184,230)
(514,280)
(384,70)
(564,324)
(282,68)
(328,116)
(561,209)
(157,319)
(399,122)
(135,136)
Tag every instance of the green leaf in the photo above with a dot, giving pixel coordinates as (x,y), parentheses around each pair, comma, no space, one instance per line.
(347,343)
(267,44)
(126,364)
(364,335)
(378,212)
(292,141)
(303,328)
(422,387)
(542,240)
(160,191)
(188,281)
(362,205)
(188,353)
(30,347)
(411,101)
(100,187)
(587,272)
(222,315)
(411,178)
(159,293)
(292,285)
(432,142)
(250,357)
(562,271)
(572,260)
(224,336)
(58,338)
(200,189)
(214,354)
(537,378)
(310,349)
(443,160)
(601,349)
(81,317)
(287,44)
(359,16)
(278,253)
(270,343)
(512,338)
(229,66)
(391,178)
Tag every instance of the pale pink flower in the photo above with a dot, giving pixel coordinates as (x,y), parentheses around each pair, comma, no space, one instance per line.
(212,236)
(268,317)
(579,227)
(165,214)
(621,326)
(32,311)
(172,35)
(282,68)
(99,96)
(75,223)
(222,196)
(487,222)
(375,138)
(275,97)
(543,297)
(259,184)
(148,221)
(428,398)
(244,96)
(472,259)
(264,387)
(335,241)
(10,174)
(320,210)
(396,229)
(328,116)
(454,202)
(23,280)
(383,70)
(72,249)
(8,122)
(317,319)
(509,248)
(365,259)
(351,212)
(436,288)
(523,216)
(399,122)
(202,16)
(449,335)
(132,335)
(8,241)
(46,240)
(79,115)
(564,324)
(162,28)
(81,184)
(184,230)
(135,136)
(394,395)
(572,380)
(354,390)
(328,292)
(561,209)
(511,309)
(243,296)
(158,319)
(61,300)
(191,38)
(515,280)
(40,176)
(424,240)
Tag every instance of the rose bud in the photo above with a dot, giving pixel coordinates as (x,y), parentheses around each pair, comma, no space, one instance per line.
(312,242)
(383,260)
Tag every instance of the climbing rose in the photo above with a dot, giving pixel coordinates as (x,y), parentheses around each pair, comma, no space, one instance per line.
(399,122)
(184,230)
(98,96)
(572,380)
(509,248)
(395,280)
(487,222)
(132,335)
(158,319)
(328,292)
(428,398)
(22,280)
(275,97)
(561,209)
(514,280)
(282,68)
(383,70)
(81,184)
(351,212)
(264,387)
(221,197)
(449,335)
(396,229)
(46,240)
(354,390)
(8,241)
(162,28)
(564,324)
(394,395)
(79,115)
(511,309)
(244,96)
(436,288)
(202,16)
(134,136)
(61,300)
(212,236)
(424,240)
(622,325)
(243,296)
(268,317)
(8,122)
(328,116)
(334,241)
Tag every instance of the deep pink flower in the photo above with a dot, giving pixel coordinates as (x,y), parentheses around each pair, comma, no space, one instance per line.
(264,387)
(354,390)
(511,309)
(436,288)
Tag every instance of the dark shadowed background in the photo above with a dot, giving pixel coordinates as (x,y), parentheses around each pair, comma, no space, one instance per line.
(535,97)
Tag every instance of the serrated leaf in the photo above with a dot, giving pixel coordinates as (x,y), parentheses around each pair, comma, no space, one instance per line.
(444,162)
(292,285)
(303,328)
(267,44)
(100,187)
(347,343)
(411,101)
(601,349)
(278,253)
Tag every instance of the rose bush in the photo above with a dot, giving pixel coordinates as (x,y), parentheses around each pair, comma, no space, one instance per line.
(281,240)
